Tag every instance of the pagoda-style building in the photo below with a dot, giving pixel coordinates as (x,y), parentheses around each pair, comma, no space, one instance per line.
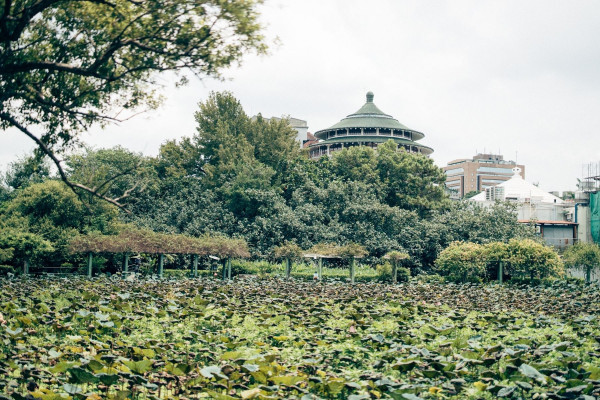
(369,126)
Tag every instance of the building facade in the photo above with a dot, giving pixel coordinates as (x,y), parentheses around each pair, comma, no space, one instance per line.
(478,173)
(552,216)
(369,126)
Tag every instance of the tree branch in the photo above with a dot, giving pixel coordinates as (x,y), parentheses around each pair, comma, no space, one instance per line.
(63,176)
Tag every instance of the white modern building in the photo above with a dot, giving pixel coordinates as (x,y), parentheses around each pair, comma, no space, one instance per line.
(552,216)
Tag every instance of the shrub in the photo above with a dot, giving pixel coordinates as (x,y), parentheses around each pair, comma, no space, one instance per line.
(403,274)
(586,255)
(239,267)
(462,262)
(384,273)
(530,261)
(6,269)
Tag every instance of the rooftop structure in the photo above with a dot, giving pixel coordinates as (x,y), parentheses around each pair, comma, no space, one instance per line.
(369,126)
(299,125)
(552,216)
(478,173)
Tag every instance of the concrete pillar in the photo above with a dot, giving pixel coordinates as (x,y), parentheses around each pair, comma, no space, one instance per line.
(500,271)
(320,268)
(161,263)
(352,264)
(26,267)
(126,262)
(288,268)
(229,268)
(328,151)
(195,266)
(89,264)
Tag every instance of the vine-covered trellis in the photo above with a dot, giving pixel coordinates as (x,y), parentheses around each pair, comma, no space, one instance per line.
(130,241)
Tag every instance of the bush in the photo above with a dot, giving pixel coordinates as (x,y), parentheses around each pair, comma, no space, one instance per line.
(403,274)
(384,273)
(239,267)
(462,262)
(586,255)
(529,261)
(6,269)
(429,278)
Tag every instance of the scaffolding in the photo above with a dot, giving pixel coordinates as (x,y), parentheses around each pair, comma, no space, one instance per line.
(590,181)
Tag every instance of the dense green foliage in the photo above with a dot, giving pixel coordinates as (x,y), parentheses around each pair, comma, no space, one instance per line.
(290,339)
(243,177)
(586,255)
(462,262)
(67,65)
(524,260)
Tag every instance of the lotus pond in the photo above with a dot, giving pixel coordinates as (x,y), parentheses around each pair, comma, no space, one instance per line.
(271,339)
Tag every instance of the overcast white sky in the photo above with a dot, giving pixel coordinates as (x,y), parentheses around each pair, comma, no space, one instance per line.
(518,77)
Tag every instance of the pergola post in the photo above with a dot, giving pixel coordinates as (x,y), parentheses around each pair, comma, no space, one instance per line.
(500,271)
(126,263)
(228,268)
(224,269)
(588,274)
(161,263)
(288,268)
(320,268)
(89,264)
(25,267)
(352,262)
(195,266)
(394,272)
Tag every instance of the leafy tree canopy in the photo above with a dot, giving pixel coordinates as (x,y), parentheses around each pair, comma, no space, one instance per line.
(66,65)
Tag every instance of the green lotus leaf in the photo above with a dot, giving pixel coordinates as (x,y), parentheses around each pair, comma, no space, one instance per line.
(506,392)
(72,389)
(108,379)
(530,372)
(219,396)
(212,372)
(80,375)
(287,380)
(139,367)
(250,367)
(14,332)
(359,397)
(95,365)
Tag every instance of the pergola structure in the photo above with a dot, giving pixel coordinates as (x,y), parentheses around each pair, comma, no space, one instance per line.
(369,126)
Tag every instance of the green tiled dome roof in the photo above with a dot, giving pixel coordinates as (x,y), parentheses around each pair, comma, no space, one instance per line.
(369,116)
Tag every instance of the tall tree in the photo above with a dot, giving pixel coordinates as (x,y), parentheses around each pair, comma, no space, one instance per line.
(25,171)
(412,181)
(66,65)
